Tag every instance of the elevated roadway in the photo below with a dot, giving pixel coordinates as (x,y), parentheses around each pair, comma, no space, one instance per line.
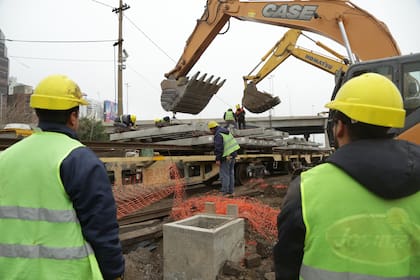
(294,125)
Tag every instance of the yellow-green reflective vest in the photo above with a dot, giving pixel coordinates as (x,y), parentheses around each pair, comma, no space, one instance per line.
(40,235)
(229,116)
(353,234)
(229,144)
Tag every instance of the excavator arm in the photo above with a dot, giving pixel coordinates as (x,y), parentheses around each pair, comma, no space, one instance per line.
(282,50)
(340,20)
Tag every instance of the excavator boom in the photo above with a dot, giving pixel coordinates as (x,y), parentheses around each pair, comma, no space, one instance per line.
(339,20)
(282,50)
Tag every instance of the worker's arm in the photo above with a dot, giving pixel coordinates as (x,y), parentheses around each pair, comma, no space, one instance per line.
(86,182)
(288,252)
(218,146)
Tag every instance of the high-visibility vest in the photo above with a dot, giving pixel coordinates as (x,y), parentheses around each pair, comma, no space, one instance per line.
(353,234)
(229,144)
(40,236)
(229,116)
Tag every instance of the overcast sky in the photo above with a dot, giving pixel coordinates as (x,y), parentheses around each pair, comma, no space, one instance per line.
(154,38)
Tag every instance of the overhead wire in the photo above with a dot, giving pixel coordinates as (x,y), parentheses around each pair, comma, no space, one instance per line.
(148,38)
(59,41)
(61,59)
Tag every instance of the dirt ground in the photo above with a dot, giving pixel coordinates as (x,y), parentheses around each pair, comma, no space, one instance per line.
(146,261)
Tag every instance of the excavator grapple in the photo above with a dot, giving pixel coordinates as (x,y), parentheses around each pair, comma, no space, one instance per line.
(257,101)
(188,95)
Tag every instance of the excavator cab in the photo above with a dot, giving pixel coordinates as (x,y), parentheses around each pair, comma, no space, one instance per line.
(404,71)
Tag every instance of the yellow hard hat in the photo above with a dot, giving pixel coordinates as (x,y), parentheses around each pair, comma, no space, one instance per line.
(57,92)
(212,124)
(370,98)
(238,106)
(133,118)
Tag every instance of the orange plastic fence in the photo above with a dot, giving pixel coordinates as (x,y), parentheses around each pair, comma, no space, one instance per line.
(261,217)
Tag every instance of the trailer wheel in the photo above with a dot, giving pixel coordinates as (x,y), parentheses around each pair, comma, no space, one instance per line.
(241,175)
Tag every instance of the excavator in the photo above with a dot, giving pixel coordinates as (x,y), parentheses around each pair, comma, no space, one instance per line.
(340,20)
(363,36)
(282,50)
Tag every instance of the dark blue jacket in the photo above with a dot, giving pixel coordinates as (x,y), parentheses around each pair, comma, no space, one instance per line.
(218,143)
(86,182)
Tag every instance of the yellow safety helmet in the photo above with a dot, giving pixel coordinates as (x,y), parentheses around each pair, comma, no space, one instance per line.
(158,120)
(57,92)
(212,124)
(133,118)
(238,106)
(370,98)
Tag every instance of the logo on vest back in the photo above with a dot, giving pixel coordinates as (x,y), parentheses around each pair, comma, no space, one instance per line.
(375,238)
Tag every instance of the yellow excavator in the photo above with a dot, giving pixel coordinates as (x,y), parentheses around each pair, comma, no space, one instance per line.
(282,50)
(360,32)
(362,35)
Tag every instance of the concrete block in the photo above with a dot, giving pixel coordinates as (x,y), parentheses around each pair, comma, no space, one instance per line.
(232,210)
(197,247)
(210,208)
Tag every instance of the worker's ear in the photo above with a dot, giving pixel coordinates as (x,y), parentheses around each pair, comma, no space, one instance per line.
(73,120)
(341,133)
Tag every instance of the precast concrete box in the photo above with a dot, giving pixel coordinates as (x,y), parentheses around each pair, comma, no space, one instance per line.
(197,247)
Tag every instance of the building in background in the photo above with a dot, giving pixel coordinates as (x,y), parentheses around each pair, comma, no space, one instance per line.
(110,111)
(4,74)
(18,108)
(94,110)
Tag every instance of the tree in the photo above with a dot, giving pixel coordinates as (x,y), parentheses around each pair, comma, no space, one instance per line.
(91,130)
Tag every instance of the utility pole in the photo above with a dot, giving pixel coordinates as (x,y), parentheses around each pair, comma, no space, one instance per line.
(126,101)
(121,66)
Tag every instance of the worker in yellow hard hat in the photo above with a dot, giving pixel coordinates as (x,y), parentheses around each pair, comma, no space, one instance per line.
(126,121)
(240,116)
(57,209)
(226,150)
(359,212)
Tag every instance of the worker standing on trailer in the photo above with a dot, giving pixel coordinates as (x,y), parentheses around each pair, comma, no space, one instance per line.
(57,210)
(240,116)
(230,118)
(358,214)
(128,121)
(225,150)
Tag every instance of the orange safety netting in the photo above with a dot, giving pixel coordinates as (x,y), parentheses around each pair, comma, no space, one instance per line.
(262,218)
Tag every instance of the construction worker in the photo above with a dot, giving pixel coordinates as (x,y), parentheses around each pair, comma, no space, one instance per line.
(240,116)
(230,118)
(127,121)
(166,121)
(225,150)
(357,216)
(57,210)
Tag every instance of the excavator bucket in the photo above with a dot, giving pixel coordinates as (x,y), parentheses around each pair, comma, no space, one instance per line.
(188,95)
(257,101)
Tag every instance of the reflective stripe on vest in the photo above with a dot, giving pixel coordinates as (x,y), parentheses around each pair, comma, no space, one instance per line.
(353,234)
(319,274)
(40,233)
(229,144)
(229,116)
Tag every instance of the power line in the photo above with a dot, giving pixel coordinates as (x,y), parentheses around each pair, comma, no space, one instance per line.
(61,59)
(145,35)
(59,41)
(104,4)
